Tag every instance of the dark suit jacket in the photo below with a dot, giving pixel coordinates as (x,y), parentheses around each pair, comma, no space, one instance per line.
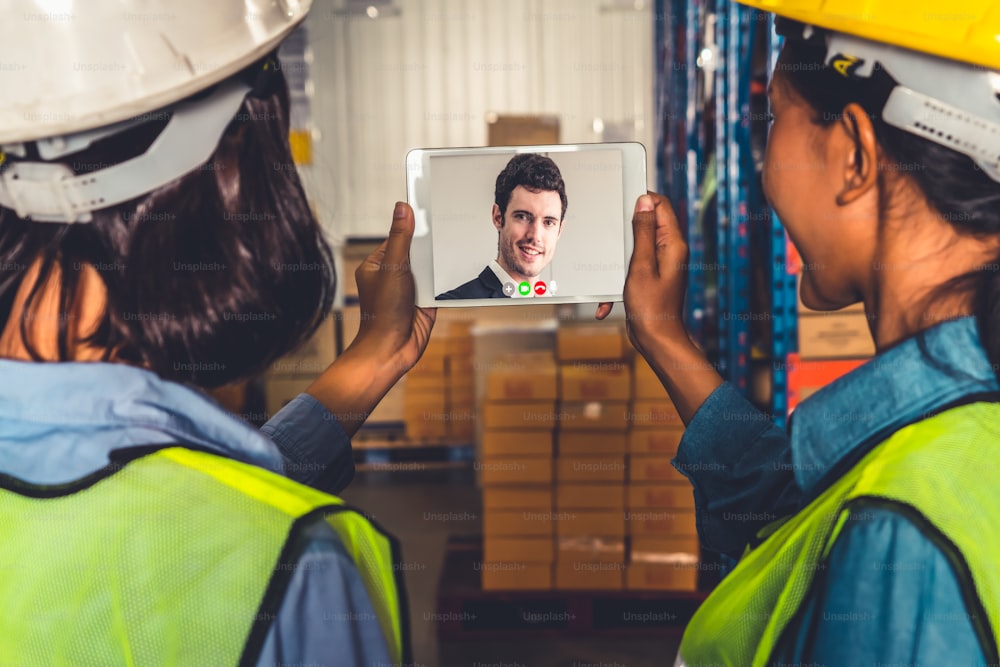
(485,286)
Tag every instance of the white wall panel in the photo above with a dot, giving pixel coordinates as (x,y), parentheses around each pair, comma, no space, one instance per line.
(428,76)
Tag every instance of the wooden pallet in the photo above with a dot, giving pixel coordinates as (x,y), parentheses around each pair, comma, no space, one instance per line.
(385,452)
(464,611)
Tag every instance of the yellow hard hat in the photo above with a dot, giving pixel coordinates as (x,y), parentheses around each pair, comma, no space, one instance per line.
(968,31)
(942,63)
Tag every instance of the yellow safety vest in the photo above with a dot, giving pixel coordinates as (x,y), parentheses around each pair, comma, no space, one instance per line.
(941,471)
(177,557)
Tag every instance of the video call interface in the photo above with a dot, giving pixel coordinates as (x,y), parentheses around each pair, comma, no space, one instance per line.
(561,234)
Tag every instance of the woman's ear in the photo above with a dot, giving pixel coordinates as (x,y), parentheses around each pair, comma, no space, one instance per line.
(858,152)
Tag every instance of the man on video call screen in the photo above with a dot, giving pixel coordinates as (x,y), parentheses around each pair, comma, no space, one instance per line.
(528,213)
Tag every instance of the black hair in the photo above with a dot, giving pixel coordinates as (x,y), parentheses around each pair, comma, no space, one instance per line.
(954,185)
(209,278)
(532,171)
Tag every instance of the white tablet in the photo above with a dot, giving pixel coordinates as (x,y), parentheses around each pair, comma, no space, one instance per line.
(516,225)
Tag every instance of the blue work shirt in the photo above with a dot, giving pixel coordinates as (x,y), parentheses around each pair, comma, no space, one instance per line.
(60,421)
(888,594)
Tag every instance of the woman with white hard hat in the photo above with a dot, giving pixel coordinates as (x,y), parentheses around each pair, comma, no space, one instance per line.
(152,225)
(868,534)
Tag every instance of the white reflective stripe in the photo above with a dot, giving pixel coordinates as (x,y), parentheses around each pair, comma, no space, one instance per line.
(679,662)
(947,125)
(49,192)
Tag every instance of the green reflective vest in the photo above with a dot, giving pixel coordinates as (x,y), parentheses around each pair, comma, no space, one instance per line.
(180,557)
(940,472)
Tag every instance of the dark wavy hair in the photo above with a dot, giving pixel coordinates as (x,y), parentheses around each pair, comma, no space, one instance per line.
(209,278)
(957,188)
(532,171)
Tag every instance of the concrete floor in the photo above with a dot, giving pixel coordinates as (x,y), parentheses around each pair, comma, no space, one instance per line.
(423,507)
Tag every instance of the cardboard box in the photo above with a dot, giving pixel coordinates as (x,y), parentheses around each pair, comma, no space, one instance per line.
(590,496)
(803,310)
(500,442)
(515,576)
(595,381)
(590,443)
(660,494)
(312,357)
(522,129)
(590,549)
(653,549)
(527,549)
(425,414)
(461,398)
(835,336)
(589,575)
(661,576)
(461,368)
(392,407)
(645,384)
(657,440)
(518,523)
(458,346)
(426,429)
(461,426)
(589,523)
(656,522)
(430,364)
(515,470)
(594,416)
(592,342)
(536,497)
(584,342)
(420,405)
(653,468)
(427,384)
(280,390)
(608,468)
(533,415)
(655,414)
(523,377)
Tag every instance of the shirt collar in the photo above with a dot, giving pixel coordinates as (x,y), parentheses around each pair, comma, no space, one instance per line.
(61,421)
(900,386)
(504,277)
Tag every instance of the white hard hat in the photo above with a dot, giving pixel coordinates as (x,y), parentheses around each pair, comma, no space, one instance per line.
(83,71)
(72,65)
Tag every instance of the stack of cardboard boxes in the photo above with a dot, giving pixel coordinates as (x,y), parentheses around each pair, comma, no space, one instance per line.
(516,469)
(438,403)
(578,489)
(664,550)
(595,384)
(460,393)
(289,376)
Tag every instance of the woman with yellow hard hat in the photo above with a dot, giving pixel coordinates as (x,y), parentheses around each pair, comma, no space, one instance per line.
(868,534)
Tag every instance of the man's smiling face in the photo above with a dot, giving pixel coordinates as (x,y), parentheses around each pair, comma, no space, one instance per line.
(529,231)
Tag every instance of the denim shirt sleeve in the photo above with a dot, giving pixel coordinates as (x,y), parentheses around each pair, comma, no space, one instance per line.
(314,448)
(889,596)
(326,617)
(740,465)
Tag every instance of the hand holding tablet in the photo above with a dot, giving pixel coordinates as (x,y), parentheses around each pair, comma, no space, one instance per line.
(511,225)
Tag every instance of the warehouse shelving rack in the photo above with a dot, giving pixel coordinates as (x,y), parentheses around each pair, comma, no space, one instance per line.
(705,53)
